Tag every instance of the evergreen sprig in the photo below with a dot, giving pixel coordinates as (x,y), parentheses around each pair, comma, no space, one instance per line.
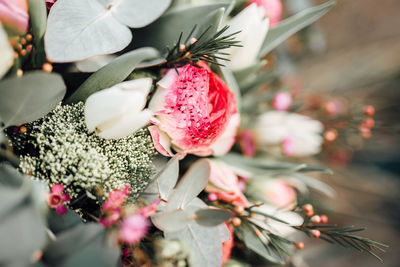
(345,237)
(201,49)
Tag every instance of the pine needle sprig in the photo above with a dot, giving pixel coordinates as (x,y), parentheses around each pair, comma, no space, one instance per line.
(345,237)
(193,50)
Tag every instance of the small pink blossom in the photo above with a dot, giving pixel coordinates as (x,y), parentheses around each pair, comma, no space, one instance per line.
(272,9)
(112,206)
(225,184)
(57,198)
(14,15)
(282,101)
(195,113)
(280,194)
(149,210)
(133,228)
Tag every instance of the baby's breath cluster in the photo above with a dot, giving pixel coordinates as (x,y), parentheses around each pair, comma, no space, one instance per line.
(64,152)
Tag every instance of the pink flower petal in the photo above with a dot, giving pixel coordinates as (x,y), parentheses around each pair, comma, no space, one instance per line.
(161,141)
(57,188)
(61,209)
(14,15)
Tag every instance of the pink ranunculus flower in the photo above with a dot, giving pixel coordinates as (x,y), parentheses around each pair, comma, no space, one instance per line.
(195,112)
(224,183)
(133,228)
(57,199)
(282,101)
(14,15)
(272,8)
(279,193)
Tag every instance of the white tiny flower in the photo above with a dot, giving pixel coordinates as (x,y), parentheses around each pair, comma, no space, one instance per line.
(117,112)
(274,127)
(253,27)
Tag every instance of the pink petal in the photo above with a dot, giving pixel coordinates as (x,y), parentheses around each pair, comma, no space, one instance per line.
(57,188)
(61,209)
(14,14)
(161,141)
(65,197)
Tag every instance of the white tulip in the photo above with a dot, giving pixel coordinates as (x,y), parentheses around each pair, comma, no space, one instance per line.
(117,112)
(253,27)
(305,133)
(6,52)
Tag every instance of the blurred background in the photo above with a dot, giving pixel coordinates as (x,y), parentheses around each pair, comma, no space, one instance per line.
(354,52)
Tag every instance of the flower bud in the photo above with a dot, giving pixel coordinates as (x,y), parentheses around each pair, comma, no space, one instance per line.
(299,245)
(315,233)
(316,219)
(308,210)
(369,110)
(324,219)
(330,135)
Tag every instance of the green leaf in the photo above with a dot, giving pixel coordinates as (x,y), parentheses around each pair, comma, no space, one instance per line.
(261,79)
(6,52)
(81,29)
(232,84)
(84,245)
(212,217)
(244,75)
(246,233)
(290,26)
(166,30)
(30,97)
(115,72)
(22,228)
(38,22)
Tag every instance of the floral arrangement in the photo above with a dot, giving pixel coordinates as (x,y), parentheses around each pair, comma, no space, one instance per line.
(158,133)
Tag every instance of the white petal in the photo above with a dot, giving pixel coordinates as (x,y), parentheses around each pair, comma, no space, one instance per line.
(225,142)
(142,85)
(95,63)
(6,52)
(161,141)
(126,125)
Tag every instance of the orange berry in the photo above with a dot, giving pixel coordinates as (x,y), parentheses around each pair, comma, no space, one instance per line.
(23,52)
(316,219)
(308,210)
(331,135)
(47,67)
(20,73)
(239,210)
(23,41)
(29,37)
(299,245)
(324,219)
(369,110)
(236,221)
(29,48)
(22,129)
(315,233)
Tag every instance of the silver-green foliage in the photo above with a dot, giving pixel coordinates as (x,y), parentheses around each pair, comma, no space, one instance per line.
(67,154)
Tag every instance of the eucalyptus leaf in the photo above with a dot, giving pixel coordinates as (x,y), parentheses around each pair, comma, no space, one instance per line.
(205,242)
(21,223)
(171,221)
(6,52)
(165,31)
(30,97)
(164,181)
(84,245)
(212,217)
(79,29)
(191,184)
(290,26)
(115,72)
(258,81)
(244,75)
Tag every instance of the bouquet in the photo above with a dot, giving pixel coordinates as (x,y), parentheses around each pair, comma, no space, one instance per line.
(159,133)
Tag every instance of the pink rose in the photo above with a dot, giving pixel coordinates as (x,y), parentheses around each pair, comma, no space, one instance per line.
(279,193)
(14,15)
(224,183)
(195,113)
(272,8)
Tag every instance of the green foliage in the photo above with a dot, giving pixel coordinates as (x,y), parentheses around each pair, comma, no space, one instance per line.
(65,153)
(38,24)
(81,29)
(30,97)
(115,72)
(290,26)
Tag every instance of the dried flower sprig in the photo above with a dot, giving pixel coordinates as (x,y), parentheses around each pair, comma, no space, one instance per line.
(193,50)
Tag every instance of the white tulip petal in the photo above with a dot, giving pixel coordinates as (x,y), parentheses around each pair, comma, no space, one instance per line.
(142,85)
(126,125)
